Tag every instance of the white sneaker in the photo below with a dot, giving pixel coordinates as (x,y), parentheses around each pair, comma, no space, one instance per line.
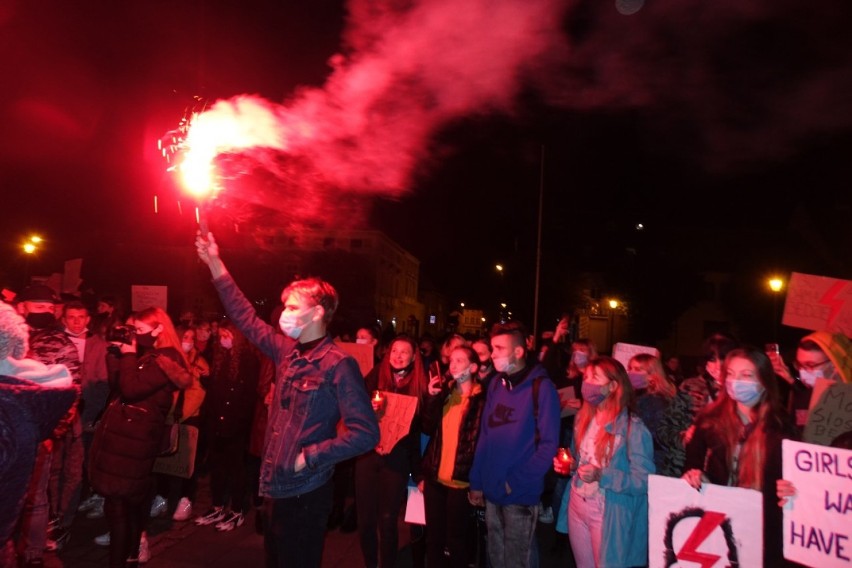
(158,506)
(231,521)
(144,550)
(214,515)
(184,510)
(102,540)
(546,516)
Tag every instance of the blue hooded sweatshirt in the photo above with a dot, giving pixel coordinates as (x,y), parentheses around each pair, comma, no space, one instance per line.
(507,449)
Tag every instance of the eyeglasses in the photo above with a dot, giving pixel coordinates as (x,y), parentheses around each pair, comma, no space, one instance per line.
(809,366)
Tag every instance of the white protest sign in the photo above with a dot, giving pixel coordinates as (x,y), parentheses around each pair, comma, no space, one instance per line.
(142,297)
(623,352)
(708,528)
(817,525)
(819,303)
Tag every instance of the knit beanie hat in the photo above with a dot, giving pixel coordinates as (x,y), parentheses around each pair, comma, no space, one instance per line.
(14,333)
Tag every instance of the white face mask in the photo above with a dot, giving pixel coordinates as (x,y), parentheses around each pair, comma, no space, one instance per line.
(362,341)
(503,365)
(289,323)
(226,342)
(810,377)
(187,346)
(462,377)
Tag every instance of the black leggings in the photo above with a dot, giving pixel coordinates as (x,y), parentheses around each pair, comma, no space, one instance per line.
(380,494)
(126,518)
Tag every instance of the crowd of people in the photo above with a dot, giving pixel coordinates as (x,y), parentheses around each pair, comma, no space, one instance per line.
(498,433)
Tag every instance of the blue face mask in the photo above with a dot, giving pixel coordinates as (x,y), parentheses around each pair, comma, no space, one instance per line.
(638,380)
(594,394)
(744,392)
(810,377)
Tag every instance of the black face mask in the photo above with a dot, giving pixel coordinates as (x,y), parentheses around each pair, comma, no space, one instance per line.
(145,340)
(41,321)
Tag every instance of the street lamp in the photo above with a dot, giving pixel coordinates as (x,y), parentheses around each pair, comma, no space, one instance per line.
(30,246)
(776,285)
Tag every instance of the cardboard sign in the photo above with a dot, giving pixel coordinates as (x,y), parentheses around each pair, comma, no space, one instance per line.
(707,528)
(566,394)
(830,413)
(363,354)
(143,297)
(817,531)
(819,303)
(395,420)
(623,352)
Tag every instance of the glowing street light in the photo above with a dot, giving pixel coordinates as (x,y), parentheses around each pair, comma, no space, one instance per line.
(613,304)
(30,246)
(498,267)
(776,285)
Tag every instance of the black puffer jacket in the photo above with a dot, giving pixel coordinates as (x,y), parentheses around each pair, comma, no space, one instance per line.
(130,434)
(468,435)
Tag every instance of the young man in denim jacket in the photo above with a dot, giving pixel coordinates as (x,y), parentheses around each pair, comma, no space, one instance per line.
(317,386)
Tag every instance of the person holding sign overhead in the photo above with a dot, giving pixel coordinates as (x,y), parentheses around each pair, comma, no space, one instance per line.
(737,440)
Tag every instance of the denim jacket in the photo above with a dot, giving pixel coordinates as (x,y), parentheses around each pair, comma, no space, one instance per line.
(624,484)
(312,393)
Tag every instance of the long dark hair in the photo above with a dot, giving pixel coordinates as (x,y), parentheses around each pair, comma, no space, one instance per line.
(722,418)
(416,378)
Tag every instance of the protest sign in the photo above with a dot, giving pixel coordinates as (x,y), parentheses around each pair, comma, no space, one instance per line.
(362,353)
(395,419)
(816,521)
(566,395)
(715,527)
(622,352)
(830,413)
(142,297)
(819,303)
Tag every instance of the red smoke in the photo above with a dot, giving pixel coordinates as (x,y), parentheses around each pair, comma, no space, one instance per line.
(405,72)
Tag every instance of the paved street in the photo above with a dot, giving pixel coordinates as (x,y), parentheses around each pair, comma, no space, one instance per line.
(185,545)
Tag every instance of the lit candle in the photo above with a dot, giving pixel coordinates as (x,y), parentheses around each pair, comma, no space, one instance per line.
(564,456)
(377,396)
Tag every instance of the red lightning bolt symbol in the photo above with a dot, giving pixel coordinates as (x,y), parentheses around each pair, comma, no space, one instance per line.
(702,530)
(833,303)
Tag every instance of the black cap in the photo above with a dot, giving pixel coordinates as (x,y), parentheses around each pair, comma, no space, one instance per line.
(38,293)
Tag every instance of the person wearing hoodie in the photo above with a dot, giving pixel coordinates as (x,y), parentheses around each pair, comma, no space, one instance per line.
(33,399)
(819,355)
(518,438)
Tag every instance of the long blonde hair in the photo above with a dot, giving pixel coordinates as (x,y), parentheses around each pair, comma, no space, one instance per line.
(611,407)
(658,380)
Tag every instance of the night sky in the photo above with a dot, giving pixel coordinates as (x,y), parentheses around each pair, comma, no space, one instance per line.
(724,127)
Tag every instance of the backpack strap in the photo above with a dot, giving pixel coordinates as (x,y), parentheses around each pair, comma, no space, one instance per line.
(535,388)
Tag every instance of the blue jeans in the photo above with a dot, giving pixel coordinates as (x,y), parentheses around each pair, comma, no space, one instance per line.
(511,535)
(295,528)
